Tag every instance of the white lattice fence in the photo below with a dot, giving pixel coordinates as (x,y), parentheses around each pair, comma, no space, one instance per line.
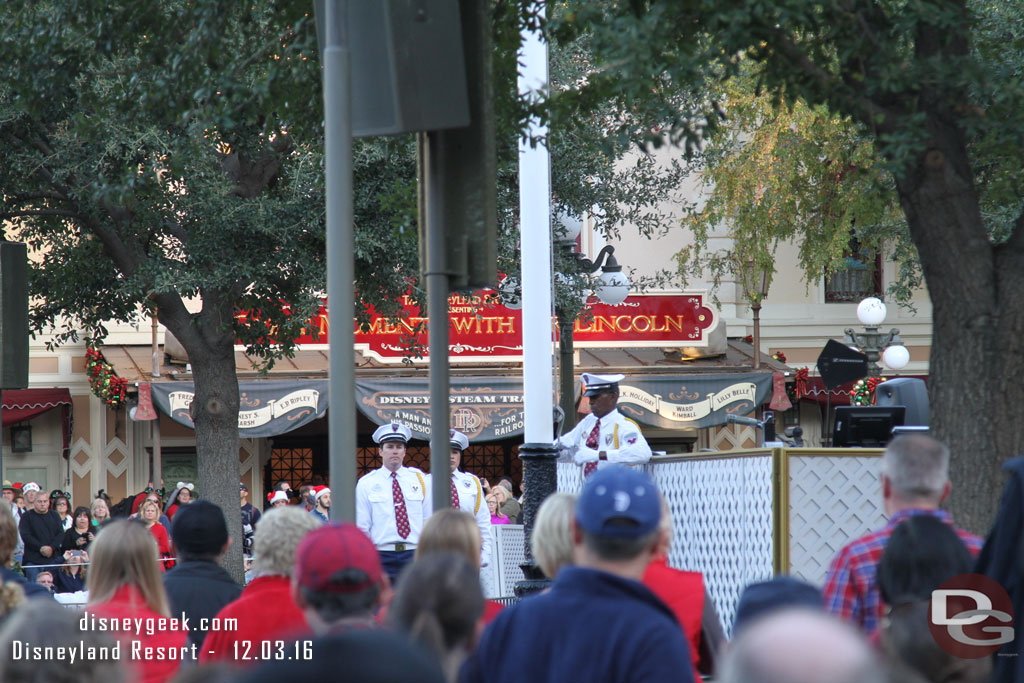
(722,519)
(831,500)
(509,539)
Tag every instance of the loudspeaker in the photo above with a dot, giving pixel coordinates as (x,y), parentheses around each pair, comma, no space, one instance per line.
(408,71)
(839,364)
(905,391)
(13,315)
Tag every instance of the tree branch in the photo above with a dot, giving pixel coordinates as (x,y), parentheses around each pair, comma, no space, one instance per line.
(44,172)
(38,212)
(863,108)
(124,257)
(175,230)
(27,196)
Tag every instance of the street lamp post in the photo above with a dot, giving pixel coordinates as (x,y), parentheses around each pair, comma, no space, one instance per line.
(872,343)
(755,278)
(612,288)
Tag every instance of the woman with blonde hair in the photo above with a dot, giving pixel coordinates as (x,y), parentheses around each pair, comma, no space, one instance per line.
(266,611)
(100,513)
(494,501)
(455,531)
(124,583)
(552,541)
(149,513)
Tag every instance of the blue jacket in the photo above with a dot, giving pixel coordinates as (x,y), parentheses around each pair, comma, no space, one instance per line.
(591,626)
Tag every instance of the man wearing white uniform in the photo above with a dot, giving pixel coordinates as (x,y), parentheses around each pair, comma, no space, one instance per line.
(605,435)
(392,503)
(468,494)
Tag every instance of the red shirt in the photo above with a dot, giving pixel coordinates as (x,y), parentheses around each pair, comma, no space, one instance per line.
(127,602)
(265,611)
(162,543)
(683,592)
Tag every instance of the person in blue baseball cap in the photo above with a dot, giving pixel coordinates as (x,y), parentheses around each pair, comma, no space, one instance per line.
(607,624)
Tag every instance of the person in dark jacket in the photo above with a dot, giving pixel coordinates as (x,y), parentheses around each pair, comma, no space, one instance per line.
(81,533)
(607,624)
(1001,559)
(71,577)
(43,534)
(8,542)
(198,586)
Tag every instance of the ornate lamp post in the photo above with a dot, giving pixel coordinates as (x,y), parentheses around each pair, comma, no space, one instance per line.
(872,343)
(755,278)
(612,288)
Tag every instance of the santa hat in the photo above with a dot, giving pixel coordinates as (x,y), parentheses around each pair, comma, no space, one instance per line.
(275,496)
(320,490)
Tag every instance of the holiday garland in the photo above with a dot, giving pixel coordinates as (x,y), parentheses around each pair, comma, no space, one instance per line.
(103,380)
(863,392)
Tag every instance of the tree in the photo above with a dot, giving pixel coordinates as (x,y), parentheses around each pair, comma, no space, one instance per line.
(780,171)
(160,155)
(934,85)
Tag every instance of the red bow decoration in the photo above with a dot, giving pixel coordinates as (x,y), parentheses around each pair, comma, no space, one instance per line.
(802,377)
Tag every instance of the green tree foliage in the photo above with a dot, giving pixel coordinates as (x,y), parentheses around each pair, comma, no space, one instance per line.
(935,85)
(791,173)
(166,156)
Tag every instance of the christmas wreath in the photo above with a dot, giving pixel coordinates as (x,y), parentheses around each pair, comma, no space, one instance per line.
(103,381)
(863,392)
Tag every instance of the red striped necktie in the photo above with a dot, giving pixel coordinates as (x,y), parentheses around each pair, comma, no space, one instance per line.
(455,496)
(592,442)
(401,514)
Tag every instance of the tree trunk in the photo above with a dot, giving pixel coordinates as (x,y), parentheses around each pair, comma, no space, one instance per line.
(210,347)
(976,366)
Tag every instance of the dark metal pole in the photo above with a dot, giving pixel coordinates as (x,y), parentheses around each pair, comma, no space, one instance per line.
(757,335)
(437,312)
(566,367)
(341,415)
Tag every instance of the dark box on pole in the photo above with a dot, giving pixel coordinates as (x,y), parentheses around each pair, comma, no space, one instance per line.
(408,71)
(13,315)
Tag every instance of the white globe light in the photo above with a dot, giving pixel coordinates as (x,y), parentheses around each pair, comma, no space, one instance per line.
(612,287)
(871,311)
(510,296)
(896,357)
(567,227)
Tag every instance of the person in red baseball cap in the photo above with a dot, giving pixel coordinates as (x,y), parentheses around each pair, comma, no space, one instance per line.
(338,581)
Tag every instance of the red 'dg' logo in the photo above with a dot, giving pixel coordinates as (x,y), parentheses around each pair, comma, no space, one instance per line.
(971,616)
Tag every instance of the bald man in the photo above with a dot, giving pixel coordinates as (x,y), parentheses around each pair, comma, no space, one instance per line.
(801,646)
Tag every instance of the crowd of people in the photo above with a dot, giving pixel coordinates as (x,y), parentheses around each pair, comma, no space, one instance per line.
(397,595)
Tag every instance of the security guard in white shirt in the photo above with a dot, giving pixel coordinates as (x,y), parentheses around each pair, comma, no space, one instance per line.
(393,503)
(468,494)
(605,435)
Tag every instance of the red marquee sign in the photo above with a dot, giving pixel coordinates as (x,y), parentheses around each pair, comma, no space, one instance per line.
(482,329)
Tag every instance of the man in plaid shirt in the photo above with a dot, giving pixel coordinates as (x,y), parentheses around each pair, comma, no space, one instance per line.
(915,481)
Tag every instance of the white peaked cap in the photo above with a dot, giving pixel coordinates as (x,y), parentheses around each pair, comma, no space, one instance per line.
(392,431)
